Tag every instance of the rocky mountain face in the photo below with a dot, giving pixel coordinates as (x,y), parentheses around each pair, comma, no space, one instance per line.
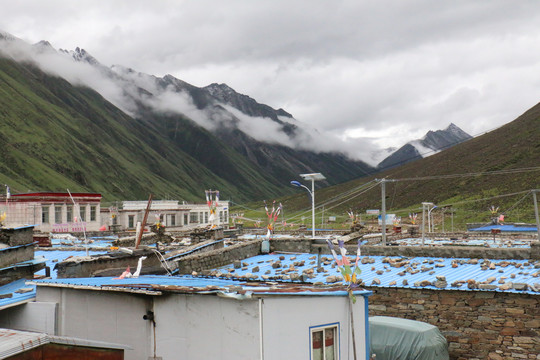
(220,133)
(432,143)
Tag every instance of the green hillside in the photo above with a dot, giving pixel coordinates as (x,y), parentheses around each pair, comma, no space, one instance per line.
(55,136)
(452,177)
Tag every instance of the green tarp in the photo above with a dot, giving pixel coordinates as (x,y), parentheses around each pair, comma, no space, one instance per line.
(402,339)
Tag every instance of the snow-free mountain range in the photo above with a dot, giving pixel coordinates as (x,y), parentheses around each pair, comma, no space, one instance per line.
(247,149)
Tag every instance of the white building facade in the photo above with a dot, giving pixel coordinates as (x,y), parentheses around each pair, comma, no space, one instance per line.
(169,213)
(53,212)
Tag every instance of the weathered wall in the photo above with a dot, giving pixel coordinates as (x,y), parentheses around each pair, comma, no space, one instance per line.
(11,256)
(16,237)
(88,266)
(216,258)
(477,324)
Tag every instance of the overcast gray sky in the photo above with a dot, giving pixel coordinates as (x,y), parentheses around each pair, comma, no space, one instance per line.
(384,70)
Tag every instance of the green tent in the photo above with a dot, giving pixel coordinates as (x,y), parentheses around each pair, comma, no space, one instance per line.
(402,339)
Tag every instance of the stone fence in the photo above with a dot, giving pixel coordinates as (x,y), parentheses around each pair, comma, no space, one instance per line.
(477,324)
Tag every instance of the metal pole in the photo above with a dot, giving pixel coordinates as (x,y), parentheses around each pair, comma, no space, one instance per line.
(429,220)
(536,214)
(423,223)
(383,210)
(322,218)
(313,208)
(452,213)
(443,220)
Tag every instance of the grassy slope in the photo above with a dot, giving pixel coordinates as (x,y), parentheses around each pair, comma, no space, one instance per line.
(513,146)
(55,136)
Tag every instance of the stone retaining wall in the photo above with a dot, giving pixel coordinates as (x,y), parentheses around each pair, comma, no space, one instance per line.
(477,324)
(217,258)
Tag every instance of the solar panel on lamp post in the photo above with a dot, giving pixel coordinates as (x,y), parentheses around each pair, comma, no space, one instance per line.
(313,177)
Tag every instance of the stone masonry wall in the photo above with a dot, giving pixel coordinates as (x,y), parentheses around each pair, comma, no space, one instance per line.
(12,256)
(476,324)
(217,258)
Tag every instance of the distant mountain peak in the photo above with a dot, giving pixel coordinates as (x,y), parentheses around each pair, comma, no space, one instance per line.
(431,143)
(81,55)
(7,36)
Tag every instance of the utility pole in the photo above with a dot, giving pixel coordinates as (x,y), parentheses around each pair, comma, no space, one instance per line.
(536,213)
(383,207)
(383,211)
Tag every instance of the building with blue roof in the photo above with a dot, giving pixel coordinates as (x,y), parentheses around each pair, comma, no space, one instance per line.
(204,318)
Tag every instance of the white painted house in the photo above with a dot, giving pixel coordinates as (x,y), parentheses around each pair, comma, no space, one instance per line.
(170,213)
(201,318)
(53,211)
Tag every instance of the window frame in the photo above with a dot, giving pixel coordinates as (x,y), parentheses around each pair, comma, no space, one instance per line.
(58,214)
(323,328)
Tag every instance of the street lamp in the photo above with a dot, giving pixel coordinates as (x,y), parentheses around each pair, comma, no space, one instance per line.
(424,206)
(431,222)
(313,177)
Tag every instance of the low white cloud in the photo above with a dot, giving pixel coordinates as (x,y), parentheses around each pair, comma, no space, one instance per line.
(373,74)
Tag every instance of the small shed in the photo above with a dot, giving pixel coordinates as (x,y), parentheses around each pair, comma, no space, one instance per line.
(208,318)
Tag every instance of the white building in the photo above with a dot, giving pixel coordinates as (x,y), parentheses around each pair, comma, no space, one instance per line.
(53,212)
(169,212)
(199,318)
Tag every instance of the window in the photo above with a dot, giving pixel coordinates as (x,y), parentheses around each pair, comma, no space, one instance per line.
(186,219)
(44,214)
(206,217)
(221,216)
(324,342)
(193,218)
(83,212)
(93,213)
(58,214)
(69,213)
(131,221)
(171,220)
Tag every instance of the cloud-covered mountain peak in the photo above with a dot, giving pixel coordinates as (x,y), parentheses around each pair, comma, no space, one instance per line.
(81,55)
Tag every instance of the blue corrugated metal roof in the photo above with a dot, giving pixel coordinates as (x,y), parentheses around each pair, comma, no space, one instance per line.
(191,284)
(488,241)
(506,228)
(17,297)
(379,272)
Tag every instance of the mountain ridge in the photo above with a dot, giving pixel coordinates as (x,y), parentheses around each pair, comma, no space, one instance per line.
(431,143)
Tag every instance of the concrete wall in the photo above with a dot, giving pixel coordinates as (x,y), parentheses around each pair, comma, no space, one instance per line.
(33,316)
(103,316)
(201,327)
(287,322)
(477,324)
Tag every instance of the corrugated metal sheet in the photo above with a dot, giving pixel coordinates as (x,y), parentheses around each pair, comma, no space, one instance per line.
(506,228)
(20,293)
(487,242)
(156,285)
(382,271)
(13,342)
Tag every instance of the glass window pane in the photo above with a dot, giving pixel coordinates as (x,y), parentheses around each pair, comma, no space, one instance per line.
(317,345)
(329,348)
